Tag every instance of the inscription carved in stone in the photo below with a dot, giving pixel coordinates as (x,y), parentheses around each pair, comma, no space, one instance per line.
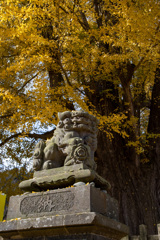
(47,203)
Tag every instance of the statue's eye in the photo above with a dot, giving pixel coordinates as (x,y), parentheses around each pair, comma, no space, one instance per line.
(60,124)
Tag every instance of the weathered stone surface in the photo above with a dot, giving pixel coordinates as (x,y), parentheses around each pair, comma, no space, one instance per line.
(47,203)
(70,237)
(83,198)
(158,228)
(68,157)
(74,141)
(62,177)
(64,225)
(81,212)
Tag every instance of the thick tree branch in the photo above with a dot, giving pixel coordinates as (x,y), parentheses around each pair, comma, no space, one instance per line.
(28,81)
(64,10)
(43,136)
(154,122)
(55,79)
(138,65)
(9,56)
(125,73)
(65,74)
(154,119)
(83,21)
(9,138)
(5,116)
(97,9)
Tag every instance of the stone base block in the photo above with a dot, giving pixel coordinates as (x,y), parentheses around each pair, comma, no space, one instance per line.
(70,226)
(82,212)
(83,198)
(62,177)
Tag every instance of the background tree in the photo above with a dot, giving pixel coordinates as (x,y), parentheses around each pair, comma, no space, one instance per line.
(102,57)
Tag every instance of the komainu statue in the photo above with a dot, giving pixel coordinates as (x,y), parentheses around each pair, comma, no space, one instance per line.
(68,157)
(74,141)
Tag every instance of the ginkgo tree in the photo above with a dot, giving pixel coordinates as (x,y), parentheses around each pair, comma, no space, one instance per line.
(101,56)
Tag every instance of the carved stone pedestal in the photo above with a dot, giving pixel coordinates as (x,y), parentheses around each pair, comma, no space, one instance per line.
(82,212)
(62,177)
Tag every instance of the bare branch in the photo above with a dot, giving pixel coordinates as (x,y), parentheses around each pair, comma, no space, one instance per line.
(98,17)
(44,136)
(20,89)
(8,115)
(65,74)
(64,10)
(9,138)
(138,65)
(9,56)
(84,19)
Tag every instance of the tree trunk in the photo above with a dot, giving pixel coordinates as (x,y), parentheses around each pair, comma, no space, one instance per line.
(136,187)
(133,187)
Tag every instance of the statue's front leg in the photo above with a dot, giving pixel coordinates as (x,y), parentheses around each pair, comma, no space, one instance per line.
(38,156)
(52,156)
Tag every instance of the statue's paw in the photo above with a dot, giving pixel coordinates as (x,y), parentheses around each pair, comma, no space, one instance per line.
(47,165)
(69,162)
(37,163)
